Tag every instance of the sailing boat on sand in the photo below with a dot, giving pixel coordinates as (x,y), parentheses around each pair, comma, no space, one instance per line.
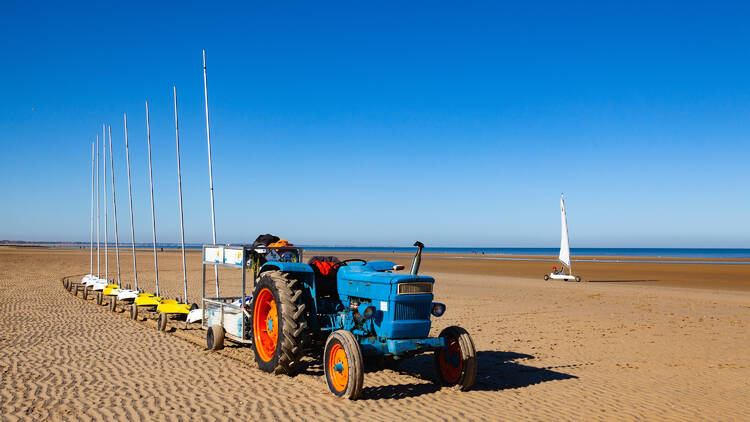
(559,274)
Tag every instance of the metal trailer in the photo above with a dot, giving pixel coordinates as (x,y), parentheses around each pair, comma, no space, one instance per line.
(224,316)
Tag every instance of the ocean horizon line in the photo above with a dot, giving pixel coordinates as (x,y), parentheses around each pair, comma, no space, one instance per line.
(650,252)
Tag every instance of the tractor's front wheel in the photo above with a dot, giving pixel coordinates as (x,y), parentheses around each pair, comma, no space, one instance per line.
(343,365)
(456,364)
(279,322)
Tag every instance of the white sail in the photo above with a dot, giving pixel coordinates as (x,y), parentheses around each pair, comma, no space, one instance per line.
(564,242)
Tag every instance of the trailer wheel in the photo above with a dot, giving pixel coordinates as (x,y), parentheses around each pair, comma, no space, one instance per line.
(113,303)
(456,365)
(343,365)
(161,322)
(215,337)
(546,277)
(134,311)
(578,279)
(279,325)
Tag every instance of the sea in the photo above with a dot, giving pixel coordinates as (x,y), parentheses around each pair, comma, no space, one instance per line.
(704,253)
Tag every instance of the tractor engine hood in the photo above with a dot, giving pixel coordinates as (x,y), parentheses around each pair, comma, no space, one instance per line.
(402,301)
(373,282)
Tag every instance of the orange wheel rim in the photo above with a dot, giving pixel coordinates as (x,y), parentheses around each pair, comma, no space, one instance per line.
(265,325)
(338,368)
(451,361)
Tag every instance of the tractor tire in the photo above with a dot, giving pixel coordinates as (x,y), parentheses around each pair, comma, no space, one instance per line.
(546,277)
(215,337)
(161,322)
(456,366)
(113,303)
(343,365)
(134,311)
(279,323)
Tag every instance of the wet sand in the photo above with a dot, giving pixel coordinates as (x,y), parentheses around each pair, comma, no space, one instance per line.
(638,341)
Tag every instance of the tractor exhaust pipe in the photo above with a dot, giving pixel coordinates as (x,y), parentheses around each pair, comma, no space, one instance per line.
(417,258)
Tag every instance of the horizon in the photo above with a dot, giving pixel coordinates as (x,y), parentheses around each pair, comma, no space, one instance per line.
(111,243)
(347,124)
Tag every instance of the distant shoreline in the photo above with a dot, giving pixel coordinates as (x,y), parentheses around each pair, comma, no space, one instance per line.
(630,255)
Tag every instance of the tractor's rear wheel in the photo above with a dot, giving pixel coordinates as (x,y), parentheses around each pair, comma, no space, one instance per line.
(279,322)
(343,365)
(456,364)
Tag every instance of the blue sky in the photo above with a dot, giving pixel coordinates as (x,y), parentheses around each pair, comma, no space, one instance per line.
(456,124)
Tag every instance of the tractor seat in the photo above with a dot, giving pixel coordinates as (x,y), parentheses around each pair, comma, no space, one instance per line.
(325,269)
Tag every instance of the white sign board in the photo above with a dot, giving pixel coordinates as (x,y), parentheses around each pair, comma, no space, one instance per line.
(233,256)
(214,255)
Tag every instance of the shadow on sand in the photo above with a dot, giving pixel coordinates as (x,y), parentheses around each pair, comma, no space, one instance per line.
(496,371)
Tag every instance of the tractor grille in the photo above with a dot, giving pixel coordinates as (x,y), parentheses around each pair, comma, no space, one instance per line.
(414,288)
(412,311)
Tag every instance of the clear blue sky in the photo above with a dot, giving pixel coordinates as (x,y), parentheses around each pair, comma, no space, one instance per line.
(453,123)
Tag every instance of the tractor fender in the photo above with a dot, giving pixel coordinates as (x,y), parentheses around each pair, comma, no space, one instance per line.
(286,267)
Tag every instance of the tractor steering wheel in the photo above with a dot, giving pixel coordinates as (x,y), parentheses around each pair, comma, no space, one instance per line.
(346,261)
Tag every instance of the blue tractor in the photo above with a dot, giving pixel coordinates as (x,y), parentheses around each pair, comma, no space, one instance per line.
(352,309)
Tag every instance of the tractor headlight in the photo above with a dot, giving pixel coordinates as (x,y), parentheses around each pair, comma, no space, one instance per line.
(438,309)
(369,312)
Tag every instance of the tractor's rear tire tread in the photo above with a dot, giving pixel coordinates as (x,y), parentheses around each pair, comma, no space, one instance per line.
(293,329)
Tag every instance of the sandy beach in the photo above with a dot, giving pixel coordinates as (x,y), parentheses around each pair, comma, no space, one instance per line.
(635,341)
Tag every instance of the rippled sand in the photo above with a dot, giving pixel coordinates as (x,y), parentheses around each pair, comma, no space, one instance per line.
(547,350)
